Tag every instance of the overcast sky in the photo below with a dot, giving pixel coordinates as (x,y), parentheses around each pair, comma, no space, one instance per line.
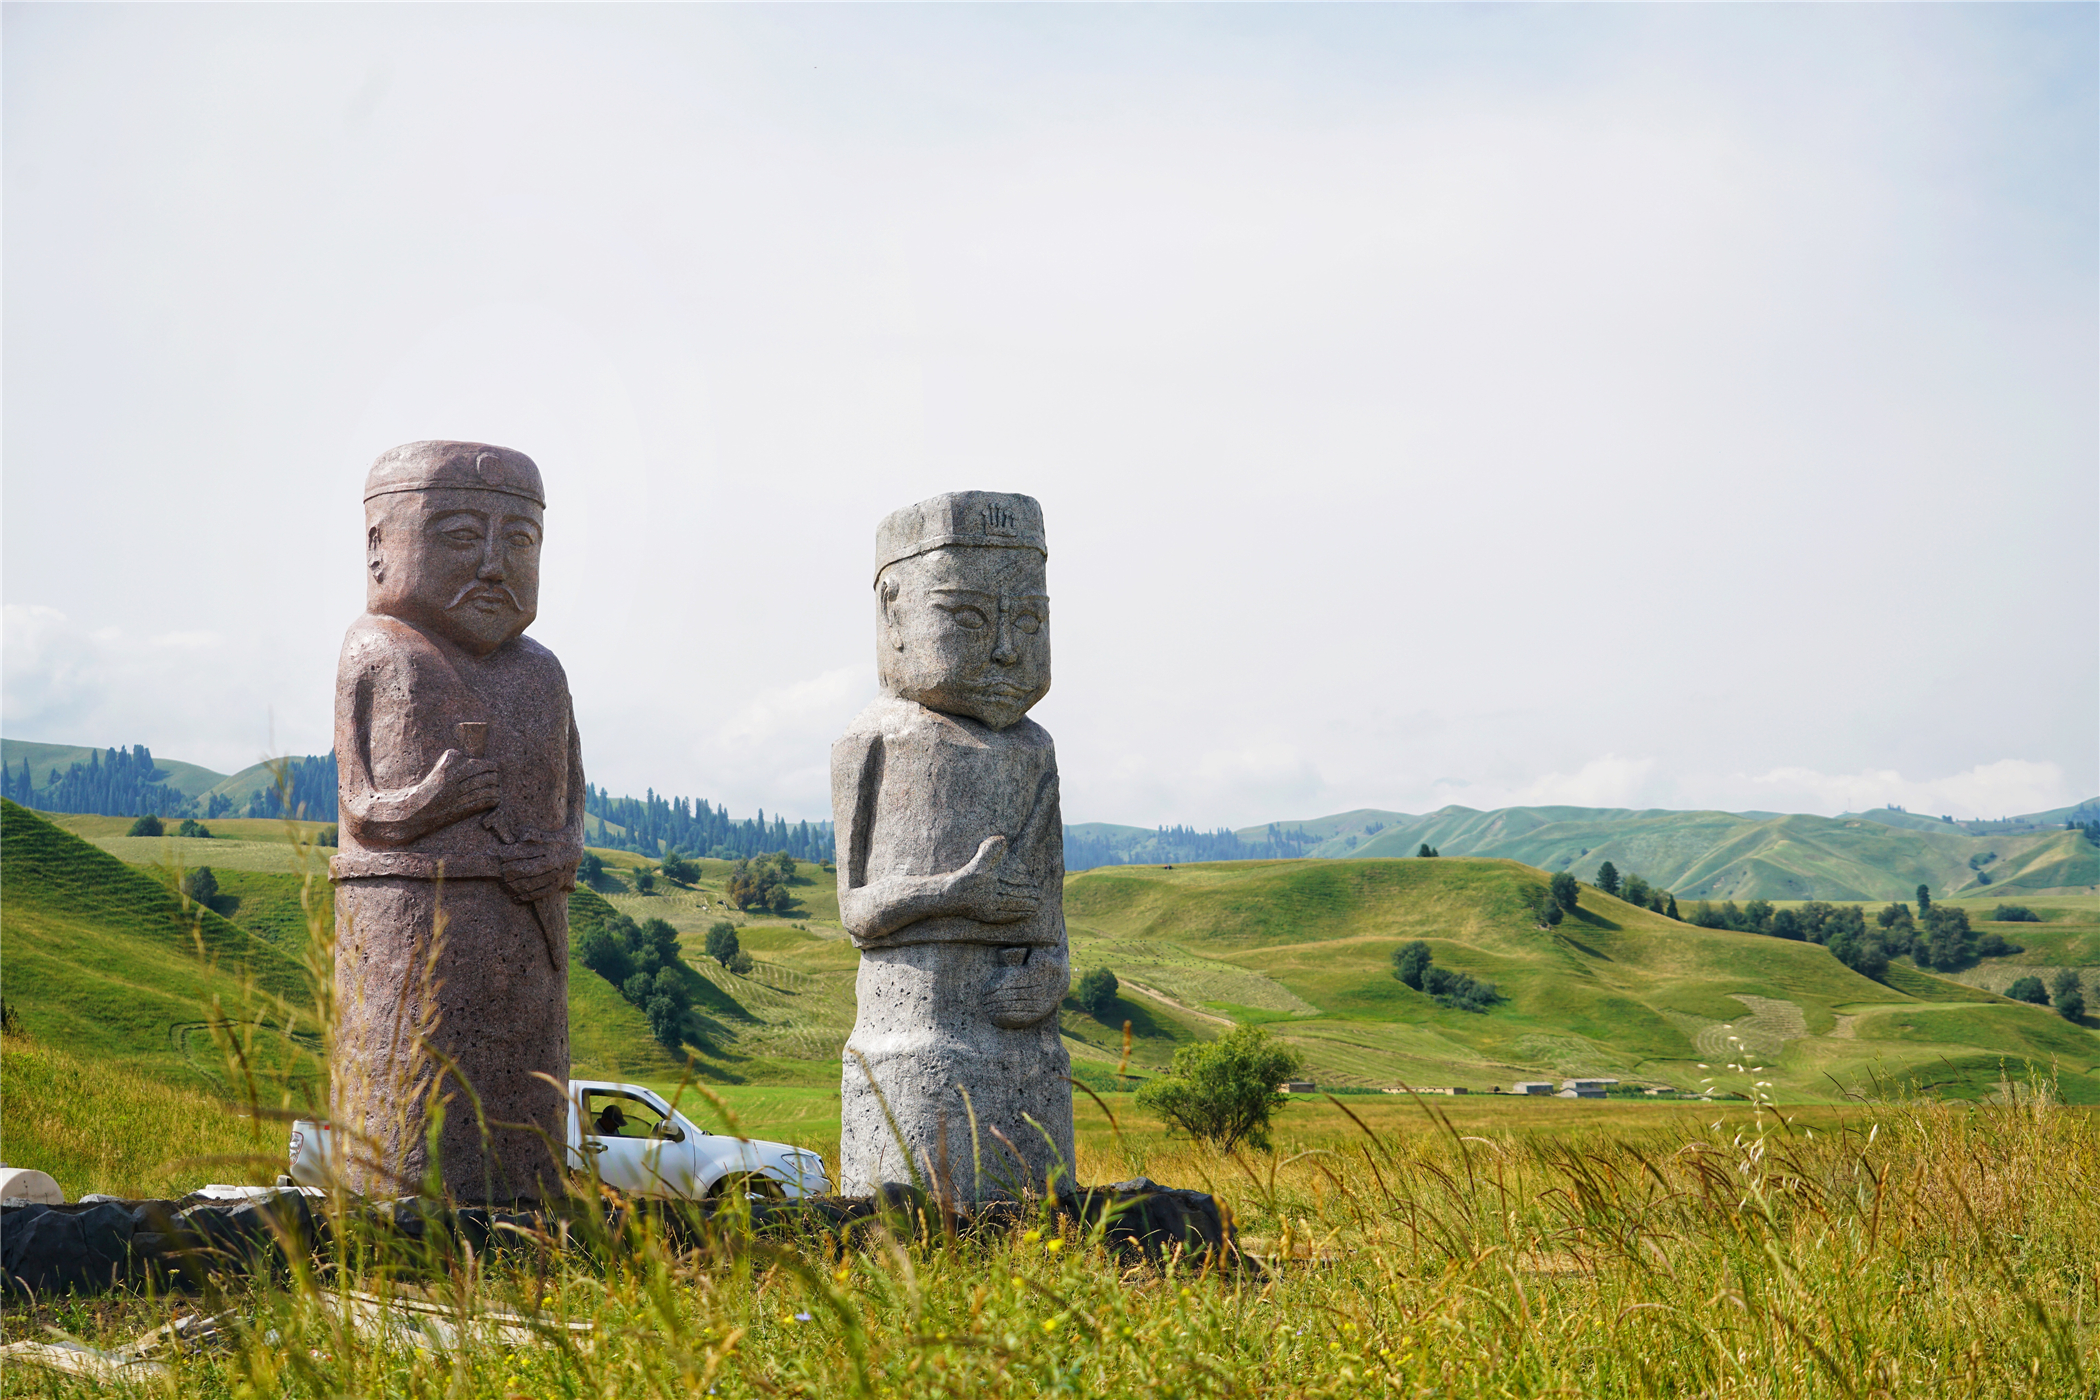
(1686,406)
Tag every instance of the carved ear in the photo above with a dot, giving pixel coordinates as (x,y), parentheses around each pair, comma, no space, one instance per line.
(374,560)
(888,590)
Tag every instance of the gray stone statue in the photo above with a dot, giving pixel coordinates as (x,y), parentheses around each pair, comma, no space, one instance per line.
(461,797)
(951,864)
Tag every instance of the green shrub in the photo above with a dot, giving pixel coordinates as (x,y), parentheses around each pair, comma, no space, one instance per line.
(722,943)
(1458,991)
(148,825)
(201,885)
(1409,962)
(2067,997)
(604,952)
(1566,891)
(1096,992)
(2014,914)
(666,1021)
(2029,989)
(1223,1092)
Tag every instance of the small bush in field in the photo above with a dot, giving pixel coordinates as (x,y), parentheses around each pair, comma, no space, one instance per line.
(2029,989)
(1222,1093)
(148,825)
(1096,992)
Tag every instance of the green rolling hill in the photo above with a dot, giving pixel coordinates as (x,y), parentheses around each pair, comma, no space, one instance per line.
(103,959)
(1727,855)
(100,958)
(186,778)
(1303,947)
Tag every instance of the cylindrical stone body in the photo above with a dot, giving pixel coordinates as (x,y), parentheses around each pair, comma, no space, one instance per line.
(481,991)
(924,1026)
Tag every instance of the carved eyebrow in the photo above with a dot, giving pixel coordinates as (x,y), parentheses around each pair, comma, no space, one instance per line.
(982,593)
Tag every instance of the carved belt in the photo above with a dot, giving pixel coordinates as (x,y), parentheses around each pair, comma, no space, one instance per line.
(414,865)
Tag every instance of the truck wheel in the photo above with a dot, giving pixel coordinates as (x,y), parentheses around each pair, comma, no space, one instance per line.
(746,1184)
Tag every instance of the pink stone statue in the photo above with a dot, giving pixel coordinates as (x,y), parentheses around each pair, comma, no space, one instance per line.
(461,827)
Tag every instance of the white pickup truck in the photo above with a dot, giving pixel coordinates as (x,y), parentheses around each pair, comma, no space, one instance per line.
(636,1142)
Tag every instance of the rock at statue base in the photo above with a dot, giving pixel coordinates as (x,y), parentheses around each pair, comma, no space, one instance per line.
(951,866)
(461,826)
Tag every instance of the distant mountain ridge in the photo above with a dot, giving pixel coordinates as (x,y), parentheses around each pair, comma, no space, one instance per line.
(1748,855)
(1883,854)
(1877,855)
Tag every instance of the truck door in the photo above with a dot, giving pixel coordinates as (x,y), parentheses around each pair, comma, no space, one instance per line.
(636,1147)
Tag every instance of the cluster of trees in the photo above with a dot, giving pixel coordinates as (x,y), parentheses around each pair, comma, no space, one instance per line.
(642,961)
(312,781)
(125,782)
(656,825)
(2065,996)
(1939,937)
(1096,993)
(762,882)
(1412,965)
(724,948)
(2014,914)
(1171,845)
(1556,899)
(1635,891)
(120,782)
(1222,1092)
(2089,829)
(1425,850)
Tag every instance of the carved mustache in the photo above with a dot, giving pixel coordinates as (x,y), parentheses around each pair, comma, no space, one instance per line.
(490,589)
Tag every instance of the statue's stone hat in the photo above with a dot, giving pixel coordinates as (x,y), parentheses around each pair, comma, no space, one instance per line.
(460,466)
(984,519)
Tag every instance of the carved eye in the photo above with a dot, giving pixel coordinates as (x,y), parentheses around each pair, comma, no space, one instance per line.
(966,617)
(522,540)
(1028,622)
(463,534)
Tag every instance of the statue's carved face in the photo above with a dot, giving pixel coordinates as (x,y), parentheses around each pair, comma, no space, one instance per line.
(464,564)
(966,631)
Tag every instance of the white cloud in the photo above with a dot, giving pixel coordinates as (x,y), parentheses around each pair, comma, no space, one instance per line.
(187,695)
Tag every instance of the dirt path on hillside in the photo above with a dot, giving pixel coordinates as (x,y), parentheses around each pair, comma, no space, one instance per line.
(1157,995)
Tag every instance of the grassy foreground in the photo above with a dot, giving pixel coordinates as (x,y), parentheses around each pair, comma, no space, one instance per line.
(1910,1249)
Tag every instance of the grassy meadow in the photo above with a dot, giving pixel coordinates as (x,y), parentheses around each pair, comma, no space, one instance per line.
(1491,1248)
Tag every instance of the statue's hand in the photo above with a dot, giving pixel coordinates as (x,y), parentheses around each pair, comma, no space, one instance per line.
(983,891)
(459,787)
(534,869)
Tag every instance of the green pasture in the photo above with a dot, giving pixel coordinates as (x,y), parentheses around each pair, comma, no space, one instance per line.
(1300,947)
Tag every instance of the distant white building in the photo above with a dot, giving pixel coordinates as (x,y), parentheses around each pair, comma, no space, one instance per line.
(1540,1087)
(1298,1086)
(1585,1088)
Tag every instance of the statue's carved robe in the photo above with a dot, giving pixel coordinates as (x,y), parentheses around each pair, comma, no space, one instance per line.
(493,995)
(948,1000)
